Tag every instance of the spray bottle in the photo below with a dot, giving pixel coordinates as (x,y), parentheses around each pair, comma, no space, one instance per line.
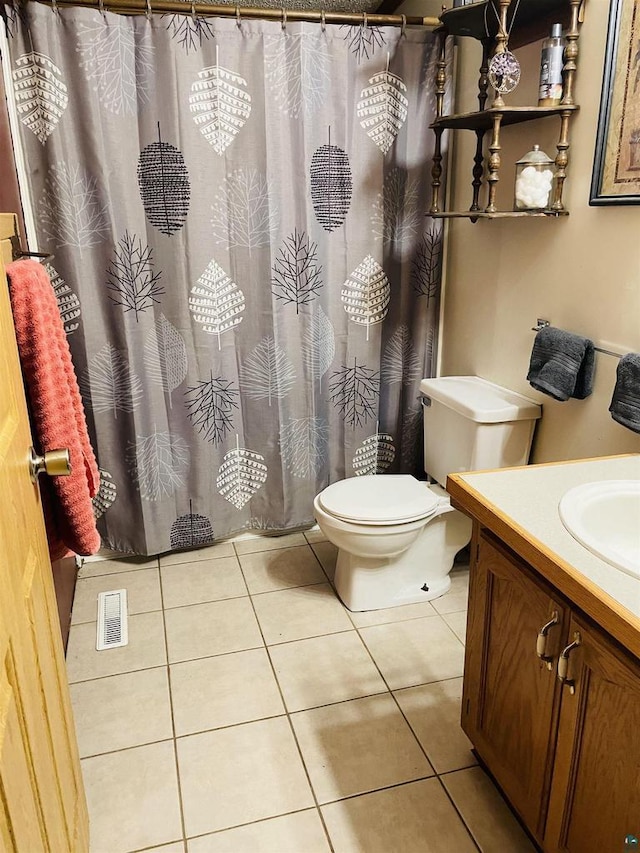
(551,62)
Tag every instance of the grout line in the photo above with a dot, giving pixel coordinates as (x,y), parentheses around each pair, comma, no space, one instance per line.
(173,722)
(459,813)
(293,733)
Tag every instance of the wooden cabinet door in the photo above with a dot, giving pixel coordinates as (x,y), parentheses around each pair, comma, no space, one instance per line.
(510,699)
(42,802)
(595,796)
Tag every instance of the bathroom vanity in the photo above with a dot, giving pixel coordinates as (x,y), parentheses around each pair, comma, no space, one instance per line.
(551,698)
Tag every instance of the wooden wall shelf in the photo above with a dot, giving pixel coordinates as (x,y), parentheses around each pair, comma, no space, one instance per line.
(483,120)
(480,21)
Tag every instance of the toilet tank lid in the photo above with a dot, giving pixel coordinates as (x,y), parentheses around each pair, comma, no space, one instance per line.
(480,400)
(379,498)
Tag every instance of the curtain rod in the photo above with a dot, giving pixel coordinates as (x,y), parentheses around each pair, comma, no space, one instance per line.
(133,7)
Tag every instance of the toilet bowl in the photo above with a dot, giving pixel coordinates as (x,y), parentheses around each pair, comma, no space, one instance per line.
(386,562)
(397,537)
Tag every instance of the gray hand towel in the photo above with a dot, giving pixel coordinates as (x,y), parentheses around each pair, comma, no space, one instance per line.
(561,364)
(625,403)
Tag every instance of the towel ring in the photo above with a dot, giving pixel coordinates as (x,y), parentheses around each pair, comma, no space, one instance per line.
(403,30)
(238,19)
(323,23)
(284,18)
(149,10)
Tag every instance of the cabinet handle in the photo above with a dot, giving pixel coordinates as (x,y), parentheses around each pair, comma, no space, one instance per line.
(563,663)
(541,641)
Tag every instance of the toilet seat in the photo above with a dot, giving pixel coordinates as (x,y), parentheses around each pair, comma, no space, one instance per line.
(379,500)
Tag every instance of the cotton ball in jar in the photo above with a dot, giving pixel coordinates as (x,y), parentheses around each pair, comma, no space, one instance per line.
(534,180)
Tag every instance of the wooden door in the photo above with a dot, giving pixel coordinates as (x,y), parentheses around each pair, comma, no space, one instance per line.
(595,797)
(510,698)
(42,802)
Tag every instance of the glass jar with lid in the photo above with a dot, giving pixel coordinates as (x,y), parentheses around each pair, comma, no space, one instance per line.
(534,180)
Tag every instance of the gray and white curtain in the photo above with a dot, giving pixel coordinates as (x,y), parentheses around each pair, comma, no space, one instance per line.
(242,259)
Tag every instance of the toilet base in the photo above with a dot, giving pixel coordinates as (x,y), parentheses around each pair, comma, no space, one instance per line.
(366,583)
(358,598)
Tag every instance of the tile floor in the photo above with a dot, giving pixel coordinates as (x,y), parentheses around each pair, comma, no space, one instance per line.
(252,713)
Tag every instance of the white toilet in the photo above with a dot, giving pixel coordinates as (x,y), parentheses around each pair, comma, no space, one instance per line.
(396,536)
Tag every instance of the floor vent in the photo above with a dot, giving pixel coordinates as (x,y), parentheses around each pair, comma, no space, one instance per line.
(112,620)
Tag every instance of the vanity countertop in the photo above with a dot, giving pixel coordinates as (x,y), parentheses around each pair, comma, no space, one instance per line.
(520,506)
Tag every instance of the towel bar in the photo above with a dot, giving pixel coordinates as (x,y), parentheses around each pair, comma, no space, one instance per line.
(542,323)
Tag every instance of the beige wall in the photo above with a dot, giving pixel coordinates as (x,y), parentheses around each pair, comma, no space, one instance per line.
(581,272)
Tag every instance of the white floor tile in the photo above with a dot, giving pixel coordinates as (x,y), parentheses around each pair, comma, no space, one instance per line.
(222,691)
(121,711)
(132,798)
(281,568)
(358,746)
(201,581)
(240,774)
(488,817)
(146,649)
(295,614)
(203,630)
(300,832)
(413,818)
(324,670)
(415,652)
(143,593)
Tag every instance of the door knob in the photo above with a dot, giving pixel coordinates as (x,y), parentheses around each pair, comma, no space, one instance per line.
(55,463)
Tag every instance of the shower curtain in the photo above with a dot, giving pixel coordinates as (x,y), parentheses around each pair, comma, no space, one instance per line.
(242,260)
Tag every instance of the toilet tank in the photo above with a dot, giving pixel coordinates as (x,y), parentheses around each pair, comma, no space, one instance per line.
(471,424)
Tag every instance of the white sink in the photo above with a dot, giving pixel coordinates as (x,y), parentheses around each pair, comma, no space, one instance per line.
(605,517)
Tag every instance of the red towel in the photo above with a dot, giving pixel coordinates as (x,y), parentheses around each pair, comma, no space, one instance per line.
(55,405)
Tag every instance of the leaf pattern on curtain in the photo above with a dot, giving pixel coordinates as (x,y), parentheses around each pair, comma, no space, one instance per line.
(400,361)
(363,40)
(297,67)
(241,474)
(216,302)
(366,294)
(70,211)
(220,105)
(131,277)
(426,271)
(107,494)
(210,407)
(304,443)
(319,344)
(354,391)
(190,31)
(382,108)
(165,356)
(244,213)
(331,185)
(41,93)
(108,384)
(396,218)
(267,373)
(164,186)
(118,65)
(158,463)
(191,530)
(68,302)
(178,269)
(296,272)
(375,454)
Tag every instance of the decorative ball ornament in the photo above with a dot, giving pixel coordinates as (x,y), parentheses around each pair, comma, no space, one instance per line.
(504,72)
